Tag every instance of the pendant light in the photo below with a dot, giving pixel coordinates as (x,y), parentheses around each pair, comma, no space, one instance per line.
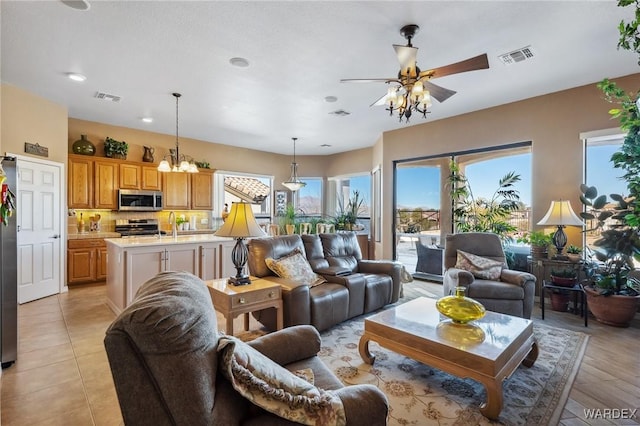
(294,183)
(179,163)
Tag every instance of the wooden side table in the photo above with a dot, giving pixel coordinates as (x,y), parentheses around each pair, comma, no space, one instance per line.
(232,301)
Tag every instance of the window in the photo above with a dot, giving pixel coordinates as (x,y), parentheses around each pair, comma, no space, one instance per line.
(342,189)
(345,186)
(309,198)
(232,187)
(599,171)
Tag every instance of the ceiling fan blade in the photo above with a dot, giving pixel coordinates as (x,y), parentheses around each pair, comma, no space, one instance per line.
(438,93)
(380,101)
(479,62)
(407,58)
(369,80)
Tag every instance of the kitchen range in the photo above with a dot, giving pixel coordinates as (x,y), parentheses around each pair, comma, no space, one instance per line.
(137,227)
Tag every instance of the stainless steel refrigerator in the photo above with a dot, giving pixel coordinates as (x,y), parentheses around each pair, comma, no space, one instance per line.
(8,266)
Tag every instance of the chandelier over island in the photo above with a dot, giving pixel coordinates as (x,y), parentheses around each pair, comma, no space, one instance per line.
(179,162)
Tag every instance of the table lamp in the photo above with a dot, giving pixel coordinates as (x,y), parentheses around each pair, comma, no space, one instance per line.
(560,214)
(240,224)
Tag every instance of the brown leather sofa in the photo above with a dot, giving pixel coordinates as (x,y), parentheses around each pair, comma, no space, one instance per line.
(354,286)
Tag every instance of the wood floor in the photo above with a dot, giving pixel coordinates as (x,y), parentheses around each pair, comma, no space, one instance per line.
(62,375)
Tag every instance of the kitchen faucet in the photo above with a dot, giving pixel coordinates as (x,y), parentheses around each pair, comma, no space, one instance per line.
(174,226)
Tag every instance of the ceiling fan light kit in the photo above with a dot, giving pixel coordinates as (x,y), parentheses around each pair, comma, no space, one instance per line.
(412,90)
(294,183)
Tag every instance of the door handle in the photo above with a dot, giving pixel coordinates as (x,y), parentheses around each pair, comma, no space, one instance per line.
(55,236)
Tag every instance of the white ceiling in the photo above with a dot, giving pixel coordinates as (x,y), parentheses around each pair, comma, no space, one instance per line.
(298,52)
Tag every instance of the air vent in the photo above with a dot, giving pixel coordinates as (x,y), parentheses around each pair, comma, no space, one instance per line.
(517,56)
(340,112)
(107,97)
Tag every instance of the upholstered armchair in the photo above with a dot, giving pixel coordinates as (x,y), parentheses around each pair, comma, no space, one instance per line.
(171,366)
(512,293)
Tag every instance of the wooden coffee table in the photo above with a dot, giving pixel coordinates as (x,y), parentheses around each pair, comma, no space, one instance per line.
(488,350)
(231,300)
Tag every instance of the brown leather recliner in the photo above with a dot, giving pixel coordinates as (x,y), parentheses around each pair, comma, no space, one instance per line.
(163,354)
(354,286)
(511,294)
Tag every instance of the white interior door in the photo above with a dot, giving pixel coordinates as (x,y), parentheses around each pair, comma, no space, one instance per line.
(39,237)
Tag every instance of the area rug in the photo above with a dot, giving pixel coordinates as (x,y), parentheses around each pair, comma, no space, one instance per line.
(421,395)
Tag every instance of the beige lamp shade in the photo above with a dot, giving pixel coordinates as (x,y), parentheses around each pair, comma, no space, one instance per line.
(240,223)
(561,213)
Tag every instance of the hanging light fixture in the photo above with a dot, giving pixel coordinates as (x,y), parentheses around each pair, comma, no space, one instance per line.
(179,163)
(294,183)
(407,98)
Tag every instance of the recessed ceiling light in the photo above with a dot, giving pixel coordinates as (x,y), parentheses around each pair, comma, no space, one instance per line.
(147,119)
(340,112)
(325,145)
(77,4)
(330,99)
(76,77)
(239,62)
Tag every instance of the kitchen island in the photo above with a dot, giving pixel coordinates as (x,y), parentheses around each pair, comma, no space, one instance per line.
(134,260)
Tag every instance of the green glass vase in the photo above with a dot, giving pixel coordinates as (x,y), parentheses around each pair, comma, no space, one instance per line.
(459,308)
(83,146)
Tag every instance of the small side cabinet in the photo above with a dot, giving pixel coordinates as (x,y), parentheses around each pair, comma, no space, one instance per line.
(86,260)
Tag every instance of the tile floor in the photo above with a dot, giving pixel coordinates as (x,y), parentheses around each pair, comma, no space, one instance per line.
(62,374)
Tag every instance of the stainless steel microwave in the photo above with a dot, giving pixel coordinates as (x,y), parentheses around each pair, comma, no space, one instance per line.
(141,201)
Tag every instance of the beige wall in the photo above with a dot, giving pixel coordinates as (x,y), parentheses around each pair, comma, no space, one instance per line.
(552,122)
(221,157)
(30,118)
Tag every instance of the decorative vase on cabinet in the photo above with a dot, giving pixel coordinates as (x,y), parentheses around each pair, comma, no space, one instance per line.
(83,146)
(459,308)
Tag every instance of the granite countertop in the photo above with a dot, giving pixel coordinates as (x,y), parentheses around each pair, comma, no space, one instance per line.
(165,240)
(97,235)
(90,235)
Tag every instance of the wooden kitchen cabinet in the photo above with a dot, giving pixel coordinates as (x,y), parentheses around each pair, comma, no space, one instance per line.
(135,176)
(92,183)
(151,178)
(86,260)
(188,191)
(145,263)
(80,182)
(131,263)
(130,176)
(202,190)
(106,185)
(177,191)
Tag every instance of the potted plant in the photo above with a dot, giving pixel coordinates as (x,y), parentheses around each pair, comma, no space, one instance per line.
(574,253)
(347,216)
(564,277)
(289,219)
(539,242)
(115,149)
(612,291)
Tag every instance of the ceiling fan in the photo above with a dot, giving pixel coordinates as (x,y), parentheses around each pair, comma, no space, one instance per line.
(412,89)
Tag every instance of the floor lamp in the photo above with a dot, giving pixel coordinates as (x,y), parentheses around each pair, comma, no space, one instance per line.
(560,214)
(240,224)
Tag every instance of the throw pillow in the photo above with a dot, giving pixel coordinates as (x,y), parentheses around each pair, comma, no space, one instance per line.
(295,267)
(276,389)
(480,267)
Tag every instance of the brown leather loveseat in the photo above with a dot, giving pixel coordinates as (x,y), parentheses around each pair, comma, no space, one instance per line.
(353,286)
